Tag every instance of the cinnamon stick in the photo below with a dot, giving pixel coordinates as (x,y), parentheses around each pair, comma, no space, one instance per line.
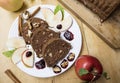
(35,12)
(20,20)
(20,25)
(9,73)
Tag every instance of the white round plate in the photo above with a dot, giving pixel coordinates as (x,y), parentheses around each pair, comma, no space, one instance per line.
(76,45)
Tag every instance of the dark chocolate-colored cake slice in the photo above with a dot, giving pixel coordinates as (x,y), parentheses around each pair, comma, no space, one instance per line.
(30,26)
(103,8)
(55,50)
(40,37)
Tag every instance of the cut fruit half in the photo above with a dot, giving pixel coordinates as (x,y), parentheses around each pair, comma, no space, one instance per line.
(57,17)
(55,20)
(65,24)
(28,58)
(48,14)
(16,57)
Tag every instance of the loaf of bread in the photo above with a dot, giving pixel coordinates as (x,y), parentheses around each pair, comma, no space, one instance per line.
(103,8)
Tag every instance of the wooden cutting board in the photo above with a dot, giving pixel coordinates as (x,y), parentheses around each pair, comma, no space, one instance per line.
(109,31)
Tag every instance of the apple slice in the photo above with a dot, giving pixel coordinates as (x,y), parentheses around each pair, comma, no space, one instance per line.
(55,21)
(15,42)
(50,17)
(57,18)
(48,14)
(63,25)
(16,57)
(66,23)
(28,58)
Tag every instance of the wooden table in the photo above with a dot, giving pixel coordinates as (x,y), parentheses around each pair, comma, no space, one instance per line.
(92,44)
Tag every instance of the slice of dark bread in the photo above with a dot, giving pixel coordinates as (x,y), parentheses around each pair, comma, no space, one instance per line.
(40,38)
(55,50)
(103,8)
(29,27)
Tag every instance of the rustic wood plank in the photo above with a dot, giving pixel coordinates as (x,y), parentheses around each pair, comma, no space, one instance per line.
(109,31)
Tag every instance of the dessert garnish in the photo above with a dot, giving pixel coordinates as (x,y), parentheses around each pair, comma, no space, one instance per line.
(59,26)
(61,9)
(20,21)
(71,57)
(56,69)
(28,53)
(40,64)
(64,64)
(8,53)
(69,35)
(35,12)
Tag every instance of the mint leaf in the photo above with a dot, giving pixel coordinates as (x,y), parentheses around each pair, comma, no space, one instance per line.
(105,74)
(9,53)
(59,8)
(83,71)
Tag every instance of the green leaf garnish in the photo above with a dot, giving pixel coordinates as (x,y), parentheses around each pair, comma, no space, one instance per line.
(105,74)
(9,53)
(83,71)
(59,8)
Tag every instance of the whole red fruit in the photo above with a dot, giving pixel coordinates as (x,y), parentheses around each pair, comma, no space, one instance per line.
(91,64)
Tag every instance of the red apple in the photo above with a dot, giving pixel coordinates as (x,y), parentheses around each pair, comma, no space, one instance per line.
(88,68)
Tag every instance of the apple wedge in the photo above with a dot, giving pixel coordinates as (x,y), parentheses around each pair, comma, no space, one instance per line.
(55,21)
(57,18)
(50,17)
(48,14)
(16,57)
(15,42)
(66,23)
(62,25)
(28,58)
